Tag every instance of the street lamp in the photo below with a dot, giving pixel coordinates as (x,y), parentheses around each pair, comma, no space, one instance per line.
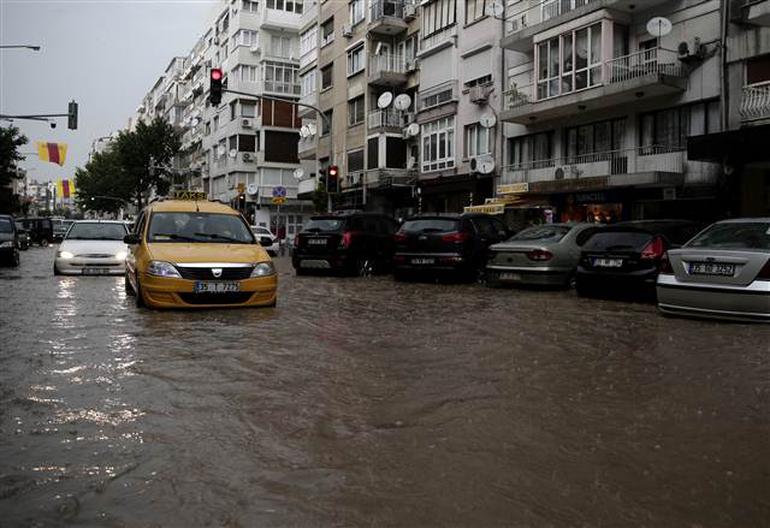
(22,46)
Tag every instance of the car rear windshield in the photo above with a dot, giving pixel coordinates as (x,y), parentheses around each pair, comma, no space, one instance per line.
(431,225)
(744,235)
(199,227)
(542,233)
(618,240)
(324,225)
(5,226)
(96,231)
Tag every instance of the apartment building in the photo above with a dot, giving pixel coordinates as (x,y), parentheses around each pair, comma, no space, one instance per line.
(245,146)
(741,149)
(600,103)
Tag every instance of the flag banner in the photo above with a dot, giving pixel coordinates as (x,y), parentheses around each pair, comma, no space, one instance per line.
(65,189)
(52,152)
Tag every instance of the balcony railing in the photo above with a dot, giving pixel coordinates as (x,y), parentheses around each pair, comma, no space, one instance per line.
(436,39)
(755,103)
(385,118)
(387,62)
(530,13)
(387,8)
(282,87)
(651,62)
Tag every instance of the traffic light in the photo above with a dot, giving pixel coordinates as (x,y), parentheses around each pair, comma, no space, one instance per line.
(72,116)
(334,173)
(215,86)
(241,202)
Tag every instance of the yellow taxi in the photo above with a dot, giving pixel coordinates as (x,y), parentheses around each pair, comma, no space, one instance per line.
(193,253)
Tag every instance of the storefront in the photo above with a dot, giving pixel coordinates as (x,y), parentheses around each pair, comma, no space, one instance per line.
(452,194)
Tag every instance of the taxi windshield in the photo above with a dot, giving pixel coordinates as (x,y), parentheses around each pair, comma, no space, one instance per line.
(199,227)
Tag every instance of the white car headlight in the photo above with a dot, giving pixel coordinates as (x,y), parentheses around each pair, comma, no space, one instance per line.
(263,269)
(64,254)
(6,244)
(163,269)
(121,255)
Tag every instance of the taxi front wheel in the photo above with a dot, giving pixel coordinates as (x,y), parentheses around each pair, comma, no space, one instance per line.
(127,285)
(138,294)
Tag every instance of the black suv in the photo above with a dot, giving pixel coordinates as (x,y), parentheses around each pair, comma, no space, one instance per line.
(9,241)
(351,243)
(455,245)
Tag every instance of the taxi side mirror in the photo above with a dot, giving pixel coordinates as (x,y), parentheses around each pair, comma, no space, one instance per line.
(265,241)
(131,239)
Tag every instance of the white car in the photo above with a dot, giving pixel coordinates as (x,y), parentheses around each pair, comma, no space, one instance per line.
(92,247)
(260,231)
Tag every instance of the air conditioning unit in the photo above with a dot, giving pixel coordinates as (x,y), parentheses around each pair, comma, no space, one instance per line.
(248,156)
(691,51)
(410,11)
(246,123)
(347,31)
(479,94)
(408,118)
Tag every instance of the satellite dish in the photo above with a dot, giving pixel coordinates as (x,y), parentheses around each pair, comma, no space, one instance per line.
(486,166)
(252,189)
(311,128)
(498,9)
(413,129)
(488,120)
(384,100)
(299,173)
(304,131)
(195,122)
(233,153)
(402,102)
(659,27)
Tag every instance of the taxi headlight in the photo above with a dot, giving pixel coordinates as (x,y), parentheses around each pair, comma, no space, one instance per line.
(163,269)
(263,269)
(64,254)
(121,255)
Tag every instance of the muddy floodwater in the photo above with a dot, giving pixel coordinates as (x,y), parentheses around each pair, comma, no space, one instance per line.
(365,402)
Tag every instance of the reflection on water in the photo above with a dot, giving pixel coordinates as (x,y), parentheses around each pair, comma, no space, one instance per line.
(368,402)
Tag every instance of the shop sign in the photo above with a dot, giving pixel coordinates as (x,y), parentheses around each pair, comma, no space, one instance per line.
(513,188)
(579,184)
(491,209)
(595,197)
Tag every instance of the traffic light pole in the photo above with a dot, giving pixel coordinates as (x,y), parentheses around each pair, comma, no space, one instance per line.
(72,115)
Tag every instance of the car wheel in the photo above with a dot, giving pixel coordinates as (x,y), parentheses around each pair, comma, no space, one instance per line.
(571,282)
(15,259)
(56,270)
(44,242)
(138,294)
(127,285)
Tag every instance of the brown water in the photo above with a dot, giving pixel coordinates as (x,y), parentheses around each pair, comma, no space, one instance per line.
(364,402)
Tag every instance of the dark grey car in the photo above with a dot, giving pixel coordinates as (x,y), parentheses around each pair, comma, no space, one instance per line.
(9,242)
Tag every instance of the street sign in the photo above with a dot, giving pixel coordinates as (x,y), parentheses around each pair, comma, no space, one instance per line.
(279,191)
(241,188)
(279,200)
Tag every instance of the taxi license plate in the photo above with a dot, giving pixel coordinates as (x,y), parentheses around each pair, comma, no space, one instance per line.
(216,287)
(712,268)
(95,271)
(423,261)
(608,263)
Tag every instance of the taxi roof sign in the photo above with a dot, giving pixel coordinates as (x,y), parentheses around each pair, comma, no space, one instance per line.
(190,195)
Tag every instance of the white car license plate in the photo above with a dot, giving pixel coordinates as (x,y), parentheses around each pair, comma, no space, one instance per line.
(423,261)
(712,268)
(510,276)
(608,263)
(216,287)
(316,241)
(95,271)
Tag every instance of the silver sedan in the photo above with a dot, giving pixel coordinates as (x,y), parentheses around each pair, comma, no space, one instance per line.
(723,272)
(545,255)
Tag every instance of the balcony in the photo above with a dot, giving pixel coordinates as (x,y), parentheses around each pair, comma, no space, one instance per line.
(280,20)
(281,87)
(382,179)
(306,187)
(387,120)
(652,166)
(437,96)
(523,20)
(306,147)
(757,12)
(387,17)
(388,69)
(648,73)
(437,41)
(309,99)
(755,102)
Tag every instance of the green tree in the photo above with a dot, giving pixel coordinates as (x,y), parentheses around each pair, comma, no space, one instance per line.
(10,142)
(102,177)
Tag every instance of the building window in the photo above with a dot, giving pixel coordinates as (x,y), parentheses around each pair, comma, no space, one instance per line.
(250,7)
(478,141)
(326,124)
(281,77)
(245,73)
(758,70)
(327,32)
(290,6)
(667,130)
(281,46)
(216,123)
(356,111)
(438,144)
(245,37)
(356,60)
(569,62)
(436,99)
(327,79)
(437,15)
(233,110)
(281,147)
(248,109)
(595,141)
(474,10)
(308,41)
(308,82)
(481,81)
(356,11)
(355,160)
(247,143)
(534,151)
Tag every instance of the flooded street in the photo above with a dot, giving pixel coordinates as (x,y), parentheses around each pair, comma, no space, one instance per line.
(366,402)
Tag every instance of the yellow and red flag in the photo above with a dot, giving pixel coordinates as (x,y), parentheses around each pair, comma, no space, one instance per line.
(65,189)
(53,152)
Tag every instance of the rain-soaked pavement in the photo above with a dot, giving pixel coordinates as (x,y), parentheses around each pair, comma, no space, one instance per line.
(363,402)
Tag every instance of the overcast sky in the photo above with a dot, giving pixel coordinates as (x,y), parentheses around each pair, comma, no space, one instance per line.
(105,54)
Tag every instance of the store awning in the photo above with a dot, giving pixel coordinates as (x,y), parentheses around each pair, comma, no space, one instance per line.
(737,147)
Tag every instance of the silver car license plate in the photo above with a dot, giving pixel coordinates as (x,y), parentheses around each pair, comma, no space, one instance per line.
(712,268)
(216,287)
(608,263)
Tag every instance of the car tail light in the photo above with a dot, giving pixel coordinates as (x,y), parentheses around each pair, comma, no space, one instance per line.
(539,255)
(296,240)
(457,236)
(665,265)
(399,259)
(654,250)
(400,237)
(764,273)
(347,239)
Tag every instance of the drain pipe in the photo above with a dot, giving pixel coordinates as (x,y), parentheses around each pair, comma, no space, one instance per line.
(724,99)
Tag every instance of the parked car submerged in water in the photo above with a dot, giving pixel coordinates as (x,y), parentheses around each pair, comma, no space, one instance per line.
(723,272)
(542,255)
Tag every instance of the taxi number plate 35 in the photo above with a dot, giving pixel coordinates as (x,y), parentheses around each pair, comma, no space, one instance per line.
(216,287)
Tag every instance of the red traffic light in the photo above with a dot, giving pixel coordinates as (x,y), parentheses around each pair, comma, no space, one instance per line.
(333,171)
(216,74)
